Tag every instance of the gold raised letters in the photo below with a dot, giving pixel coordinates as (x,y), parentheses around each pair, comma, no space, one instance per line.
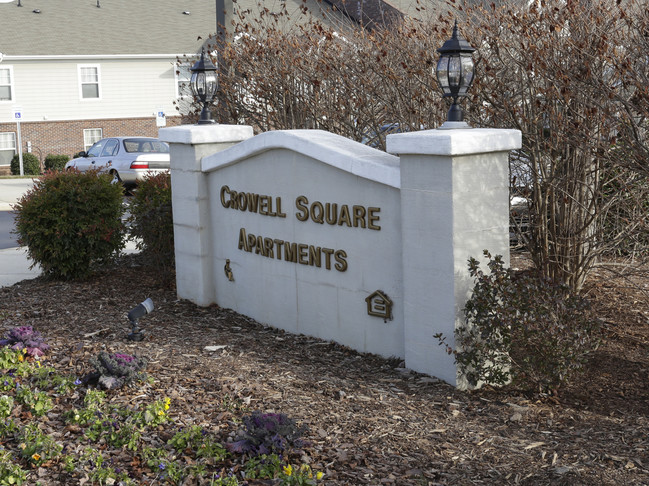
(372,217)
(341,260)
(333,214)
(251,202)
(337,214)
(300,204)
(301,253)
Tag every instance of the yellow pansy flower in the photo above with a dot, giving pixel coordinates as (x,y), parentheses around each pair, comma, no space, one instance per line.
(288,470)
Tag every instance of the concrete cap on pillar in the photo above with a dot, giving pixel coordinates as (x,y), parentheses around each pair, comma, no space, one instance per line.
(454,142)
(199,134)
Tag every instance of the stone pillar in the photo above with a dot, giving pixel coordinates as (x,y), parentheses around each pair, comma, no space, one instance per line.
(454,205)
(190,202)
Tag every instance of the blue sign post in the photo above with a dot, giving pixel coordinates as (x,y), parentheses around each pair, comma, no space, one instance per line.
(18,115)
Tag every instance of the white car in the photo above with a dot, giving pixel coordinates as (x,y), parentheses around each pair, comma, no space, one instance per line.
(128,159)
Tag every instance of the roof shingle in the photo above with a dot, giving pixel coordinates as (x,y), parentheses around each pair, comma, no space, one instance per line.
(117,27)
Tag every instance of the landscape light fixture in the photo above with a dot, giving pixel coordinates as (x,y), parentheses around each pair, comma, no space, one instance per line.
(204,83)
(455,72)
(134,315)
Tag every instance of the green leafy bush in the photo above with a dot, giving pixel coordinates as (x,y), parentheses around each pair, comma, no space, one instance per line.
(56,162)
(31,164)
(6,406)
(71,221)
(39,447)
(522,328)
(10,472)
(199,440)
(37,402)
(151,221)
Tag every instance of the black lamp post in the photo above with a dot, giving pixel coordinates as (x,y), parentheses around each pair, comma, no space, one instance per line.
(455,71)
(204,84)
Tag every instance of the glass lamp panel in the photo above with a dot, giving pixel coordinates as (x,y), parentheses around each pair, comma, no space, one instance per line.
(210,84)
(192,83)
(200,85)
(467,74)
(442,74)
(454,72)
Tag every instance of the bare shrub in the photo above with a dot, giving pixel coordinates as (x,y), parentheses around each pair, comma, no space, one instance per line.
(572,76)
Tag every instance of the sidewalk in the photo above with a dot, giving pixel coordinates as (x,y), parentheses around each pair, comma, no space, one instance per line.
(11,190)
(14,264)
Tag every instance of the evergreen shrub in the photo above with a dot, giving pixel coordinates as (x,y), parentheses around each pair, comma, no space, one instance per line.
(522,328)
(56,162)
(151,221)
(31,164)
(70,222)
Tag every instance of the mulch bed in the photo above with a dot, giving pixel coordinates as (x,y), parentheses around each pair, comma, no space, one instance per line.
(370,420)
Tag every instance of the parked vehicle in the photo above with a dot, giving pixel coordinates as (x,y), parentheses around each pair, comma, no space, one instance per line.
(128,159)
(519,220)
(373,137)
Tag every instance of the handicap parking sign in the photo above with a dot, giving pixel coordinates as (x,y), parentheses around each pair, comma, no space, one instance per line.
(160,119)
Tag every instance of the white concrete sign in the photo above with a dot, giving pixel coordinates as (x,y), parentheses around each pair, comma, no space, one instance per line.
(316,234)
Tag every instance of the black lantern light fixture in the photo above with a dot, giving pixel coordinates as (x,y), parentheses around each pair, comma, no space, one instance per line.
(455,71)
(204,84)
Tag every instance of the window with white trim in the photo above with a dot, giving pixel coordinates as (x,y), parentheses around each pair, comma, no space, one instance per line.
(89,77)
(183,76)
(91,136)
(6,83)
(7,147)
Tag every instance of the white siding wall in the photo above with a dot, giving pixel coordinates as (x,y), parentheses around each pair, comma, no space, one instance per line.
(49,90)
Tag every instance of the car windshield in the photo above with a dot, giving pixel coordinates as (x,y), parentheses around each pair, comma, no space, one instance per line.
(96,149)
(146,145)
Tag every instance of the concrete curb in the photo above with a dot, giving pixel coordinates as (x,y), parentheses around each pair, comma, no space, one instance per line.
(15,264)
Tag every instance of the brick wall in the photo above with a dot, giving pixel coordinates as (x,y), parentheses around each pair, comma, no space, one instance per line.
(66,137)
